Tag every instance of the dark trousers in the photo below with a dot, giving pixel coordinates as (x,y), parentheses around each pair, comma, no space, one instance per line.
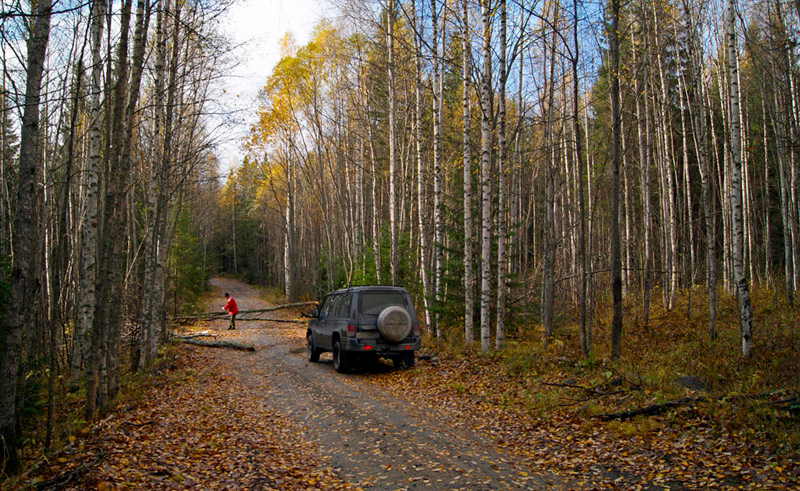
(233,322)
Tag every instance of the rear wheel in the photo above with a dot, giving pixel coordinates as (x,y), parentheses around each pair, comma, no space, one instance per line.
(407,359)
(341,360)
(311,349)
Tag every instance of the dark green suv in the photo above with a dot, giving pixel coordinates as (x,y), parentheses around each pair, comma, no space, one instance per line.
(364,322)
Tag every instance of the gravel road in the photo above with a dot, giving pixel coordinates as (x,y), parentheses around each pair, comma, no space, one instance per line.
(368,433)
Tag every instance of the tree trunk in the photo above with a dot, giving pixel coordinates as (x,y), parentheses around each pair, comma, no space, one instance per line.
(392,143)
(23,291)
(548,280)
(423,236)
(697,111)
(687,184)
(616,267)
(438,95)
(469,281)
(150,238)
(786,206)
(586,344)
(486,184)
(643,133)
(745,312)
(89,221)
(500,335)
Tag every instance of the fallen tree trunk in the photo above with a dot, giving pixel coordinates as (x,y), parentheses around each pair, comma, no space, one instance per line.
(60,481)
(197,335)
(222,315)
(220,344)
(685,401)
(652,408)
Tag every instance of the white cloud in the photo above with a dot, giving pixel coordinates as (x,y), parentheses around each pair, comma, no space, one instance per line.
(256,28)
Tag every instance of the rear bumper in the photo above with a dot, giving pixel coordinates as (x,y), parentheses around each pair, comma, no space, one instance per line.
(370,346)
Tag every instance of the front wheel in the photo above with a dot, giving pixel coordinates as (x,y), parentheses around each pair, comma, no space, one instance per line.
(341,361)
(311,349)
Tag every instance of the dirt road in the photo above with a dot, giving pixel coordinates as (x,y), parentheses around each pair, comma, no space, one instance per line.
(368,434)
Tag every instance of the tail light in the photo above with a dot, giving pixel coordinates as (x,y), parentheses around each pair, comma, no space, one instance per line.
(416,329)
(351,330)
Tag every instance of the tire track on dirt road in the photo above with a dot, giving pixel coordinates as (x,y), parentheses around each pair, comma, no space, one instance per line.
(368,434)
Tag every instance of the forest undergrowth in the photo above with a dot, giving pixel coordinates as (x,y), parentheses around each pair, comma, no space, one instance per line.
(713,419)
(735,426)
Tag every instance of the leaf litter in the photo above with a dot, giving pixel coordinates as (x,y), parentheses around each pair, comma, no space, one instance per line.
(202,428)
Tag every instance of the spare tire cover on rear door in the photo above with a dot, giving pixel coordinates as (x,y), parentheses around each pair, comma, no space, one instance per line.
(394,323)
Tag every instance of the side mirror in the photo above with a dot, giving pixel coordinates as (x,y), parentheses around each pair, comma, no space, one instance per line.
(315,313)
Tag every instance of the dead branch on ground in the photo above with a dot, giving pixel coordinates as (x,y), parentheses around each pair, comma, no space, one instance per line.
(222,315)
(220,344)
(653,409)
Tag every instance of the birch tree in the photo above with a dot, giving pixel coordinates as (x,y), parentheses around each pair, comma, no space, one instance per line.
(90,219)
(469,282)
(501,171)
(742,287)
(390,13)
(424,252)
(486,184)
(438,102)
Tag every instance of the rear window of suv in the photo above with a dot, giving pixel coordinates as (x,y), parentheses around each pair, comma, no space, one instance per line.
(373,302)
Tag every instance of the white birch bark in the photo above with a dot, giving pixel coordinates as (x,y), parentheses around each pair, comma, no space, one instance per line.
(697,112)
(746,188)
(686,182)
(151,196)
(786,214)
(669,214)
(582,267)
(625,214)
(486,185)
(767,244)
(643,135)
(89,219)
(548,266)
(392,142)
(745,312)
(501,203)
(438,226)
(423,236)
(288,216)
(469,281)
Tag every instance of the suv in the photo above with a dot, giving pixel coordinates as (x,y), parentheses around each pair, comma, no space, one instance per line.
(364,322)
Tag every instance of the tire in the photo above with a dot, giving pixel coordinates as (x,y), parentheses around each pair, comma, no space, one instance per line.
(407,359)
(394,323)
(341,360)
(311,349)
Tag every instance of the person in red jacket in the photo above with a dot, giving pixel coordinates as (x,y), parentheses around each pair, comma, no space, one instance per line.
(231,308)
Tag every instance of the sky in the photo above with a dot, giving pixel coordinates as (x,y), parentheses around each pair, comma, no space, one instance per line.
(256,27)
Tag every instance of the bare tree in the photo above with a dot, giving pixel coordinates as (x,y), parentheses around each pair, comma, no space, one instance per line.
(23,286)
(469,281)
(616,157)
(393,185)
(501,171)
(486,184)
(745,312)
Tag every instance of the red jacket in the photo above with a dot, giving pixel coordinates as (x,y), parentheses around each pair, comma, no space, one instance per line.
(231,307)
